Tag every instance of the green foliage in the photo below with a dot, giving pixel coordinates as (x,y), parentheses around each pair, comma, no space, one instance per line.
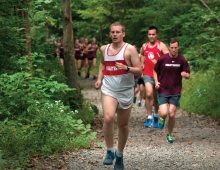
(32,123)
(51,129)
(2,161)
(200,94)
(87,113)
(20,91)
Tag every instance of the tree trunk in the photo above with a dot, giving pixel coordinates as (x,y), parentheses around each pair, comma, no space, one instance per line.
(69,61)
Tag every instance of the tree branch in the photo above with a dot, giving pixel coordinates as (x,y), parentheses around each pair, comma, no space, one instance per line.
(203,2)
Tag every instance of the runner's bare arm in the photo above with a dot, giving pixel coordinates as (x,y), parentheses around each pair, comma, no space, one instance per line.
(157,84)
(101,67)
(142,56)
(163,48)
(88,48)
(134,62)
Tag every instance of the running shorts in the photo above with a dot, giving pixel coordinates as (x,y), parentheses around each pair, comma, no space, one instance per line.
(124,98)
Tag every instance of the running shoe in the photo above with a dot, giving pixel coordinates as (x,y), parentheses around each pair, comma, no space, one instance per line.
(87,76)
(119,165)
(134,99)
(109,158)
(161,123)
(79,74)
(155,123)
(139,104)
(170,138)
(148,123)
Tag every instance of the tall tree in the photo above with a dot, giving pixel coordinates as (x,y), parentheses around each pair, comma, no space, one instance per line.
(69,62)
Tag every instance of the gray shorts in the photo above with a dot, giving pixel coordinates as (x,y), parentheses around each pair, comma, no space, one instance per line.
(148,79)
(167,98)
(124,98)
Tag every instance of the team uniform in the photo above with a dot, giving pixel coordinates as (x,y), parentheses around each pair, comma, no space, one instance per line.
(169,70)
(92,54)
(83,55)
(77,50)
(151,56)
(117,83)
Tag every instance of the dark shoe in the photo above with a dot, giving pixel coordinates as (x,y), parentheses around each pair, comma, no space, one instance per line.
(134,99)
(87,76)
(155,123)
(109,158)
(94,77)
(119,165)
(79,74)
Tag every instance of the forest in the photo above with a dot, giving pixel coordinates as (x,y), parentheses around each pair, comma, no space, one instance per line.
(42,110)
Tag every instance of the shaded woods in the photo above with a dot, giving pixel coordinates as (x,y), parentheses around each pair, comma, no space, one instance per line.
(42,110)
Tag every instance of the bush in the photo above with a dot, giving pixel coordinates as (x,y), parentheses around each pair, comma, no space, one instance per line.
(200,94)
(52,129)
(32,122)
(20,91)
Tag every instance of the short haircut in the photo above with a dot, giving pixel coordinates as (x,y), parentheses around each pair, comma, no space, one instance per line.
(117,23)
(174,40)
(81,39)
(153,28)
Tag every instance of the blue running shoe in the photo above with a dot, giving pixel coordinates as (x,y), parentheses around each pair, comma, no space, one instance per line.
(139,104)
(119,165)
(170,138)
(161,123)
(148,123)
(155,123)
(109,158)
(134,99)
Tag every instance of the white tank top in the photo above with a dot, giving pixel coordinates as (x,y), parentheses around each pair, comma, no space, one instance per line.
(114,79)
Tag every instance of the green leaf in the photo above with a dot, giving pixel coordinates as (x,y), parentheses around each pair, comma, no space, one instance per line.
(52,89)
(79,121)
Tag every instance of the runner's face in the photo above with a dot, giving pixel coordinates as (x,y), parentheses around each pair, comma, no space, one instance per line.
(93,40)
(152,36)
(116,34)
(76,42)
(86,41)
(174,49)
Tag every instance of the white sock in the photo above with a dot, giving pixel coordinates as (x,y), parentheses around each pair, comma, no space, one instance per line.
(111,149)
(149,117)
(156,115)
(119,154)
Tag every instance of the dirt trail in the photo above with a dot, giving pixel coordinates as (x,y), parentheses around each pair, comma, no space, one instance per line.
(196,146)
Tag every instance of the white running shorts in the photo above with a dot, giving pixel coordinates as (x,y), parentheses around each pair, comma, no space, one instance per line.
(124,98)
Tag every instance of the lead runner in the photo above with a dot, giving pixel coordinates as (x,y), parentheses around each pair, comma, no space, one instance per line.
(119,63)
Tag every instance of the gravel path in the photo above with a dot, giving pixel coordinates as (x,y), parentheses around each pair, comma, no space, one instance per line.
(196,146)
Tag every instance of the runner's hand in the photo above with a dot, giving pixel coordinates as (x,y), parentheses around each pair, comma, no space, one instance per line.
(120,66)
(98,84)
(157,85)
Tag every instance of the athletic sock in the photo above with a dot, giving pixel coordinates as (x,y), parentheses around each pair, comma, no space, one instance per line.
(156,115)
(119,154)
(149,117)
(110,149)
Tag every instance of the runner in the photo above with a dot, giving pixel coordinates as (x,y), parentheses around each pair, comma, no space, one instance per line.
(77,49)
(92,49)
(168,74)
(150,52)
(81,61)
(119,61)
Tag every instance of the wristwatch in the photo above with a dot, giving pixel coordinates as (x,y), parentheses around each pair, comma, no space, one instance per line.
(128,68)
